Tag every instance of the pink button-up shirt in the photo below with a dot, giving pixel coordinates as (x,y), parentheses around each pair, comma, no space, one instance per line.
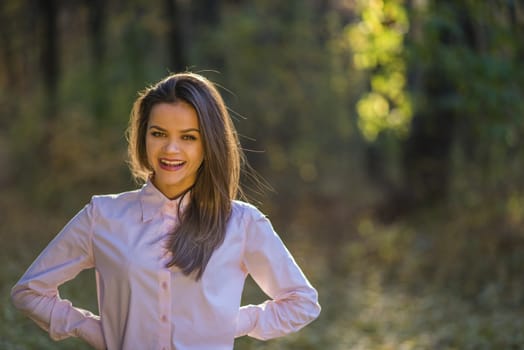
(143,304)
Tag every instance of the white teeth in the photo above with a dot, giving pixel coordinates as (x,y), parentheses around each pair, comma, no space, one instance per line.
(172,162)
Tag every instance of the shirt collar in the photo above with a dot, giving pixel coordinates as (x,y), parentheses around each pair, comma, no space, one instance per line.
(154,202)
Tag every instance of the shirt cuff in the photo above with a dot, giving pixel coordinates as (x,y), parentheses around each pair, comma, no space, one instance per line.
(246,320)
(68,321)
(91,332)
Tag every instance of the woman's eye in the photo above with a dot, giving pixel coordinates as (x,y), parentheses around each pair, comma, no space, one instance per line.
(157,134)
(189,138)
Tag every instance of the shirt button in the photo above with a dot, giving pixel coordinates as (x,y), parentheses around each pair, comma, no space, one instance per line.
(164,318)
(164,285)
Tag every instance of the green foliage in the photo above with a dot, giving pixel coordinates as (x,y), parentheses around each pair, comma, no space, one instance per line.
(377,42)
(464,58)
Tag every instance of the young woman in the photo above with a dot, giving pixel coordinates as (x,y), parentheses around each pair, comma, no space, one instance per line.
(171,258)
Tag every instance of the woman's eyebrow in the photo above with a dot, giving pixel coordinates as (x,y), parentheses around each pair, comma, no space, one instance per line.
(183,131)
(157,127)
(189,130)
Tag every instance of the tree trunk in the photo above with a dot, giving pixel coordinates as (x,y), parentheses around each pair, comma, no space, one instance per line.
(49,55)
(97,32)
(207,12)
(176,44)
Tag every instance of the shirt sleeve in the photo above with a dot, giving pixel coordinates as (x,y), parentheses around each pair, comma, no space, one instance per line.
(293,303)
(36,293)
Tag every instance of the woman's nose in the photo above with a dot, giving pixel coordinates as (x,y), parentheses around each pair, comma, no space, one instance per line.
(172,146)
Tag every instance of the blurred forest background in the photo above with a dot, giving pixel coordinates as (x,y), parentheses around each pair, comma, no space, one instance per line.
(391,130)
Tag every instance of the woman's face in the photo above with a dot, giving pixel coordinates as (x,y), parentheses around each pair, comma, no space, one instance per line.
(174,147)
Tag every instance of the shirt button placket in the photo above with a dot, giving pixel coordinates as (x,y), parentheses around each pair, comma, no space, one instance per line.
(168,225)
(165,308)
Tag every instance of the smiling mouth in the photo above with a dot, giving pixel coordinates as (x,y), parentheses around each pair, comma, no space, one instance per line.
(171,164)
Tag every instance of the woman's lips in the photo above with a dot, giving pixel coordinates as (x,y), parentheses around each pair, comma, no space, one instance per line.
(171,164)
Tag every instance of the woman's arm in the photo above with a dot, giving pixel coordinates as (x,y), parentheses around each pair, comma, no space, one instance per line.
(36,294)
(294,302)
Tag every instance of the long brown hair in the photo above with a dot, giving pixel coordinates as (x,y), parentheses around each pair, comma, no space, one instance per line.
(202,223)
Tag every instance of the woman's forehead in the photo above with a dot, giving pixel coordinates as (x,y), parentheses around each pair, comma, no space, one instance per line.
(179,115)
